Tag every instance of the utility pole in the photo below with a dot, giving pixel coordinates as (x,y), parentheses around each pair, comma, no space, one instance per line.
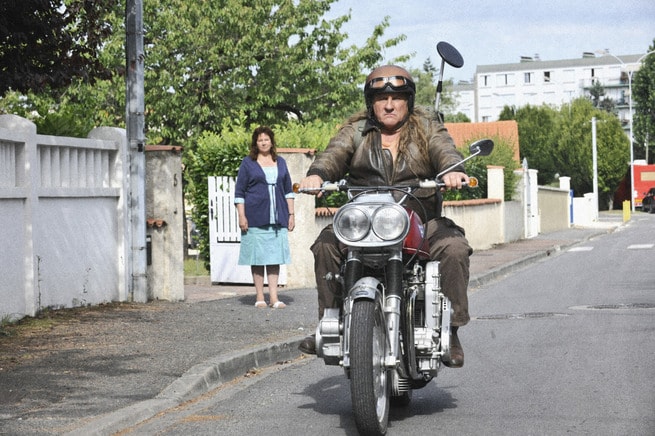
(594,154)
(135,122)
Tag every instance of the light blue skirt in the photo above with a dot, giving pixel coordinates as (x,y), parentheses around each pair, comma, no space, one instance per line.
(265,245)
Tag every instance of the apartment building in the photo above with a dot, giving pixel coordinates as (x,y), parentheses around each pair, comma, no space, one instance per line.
(534,81)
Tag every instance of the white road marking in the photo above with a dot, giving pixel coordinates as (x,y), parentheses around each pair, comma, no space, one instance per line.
(581,249)
(640,246)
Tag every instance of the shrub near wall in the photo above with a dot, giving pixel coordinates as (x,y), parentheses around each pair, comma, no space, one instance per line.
(502,155)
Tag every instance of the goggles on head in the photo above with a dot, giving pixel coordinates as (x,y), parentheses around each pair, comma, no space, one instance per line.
(395,82)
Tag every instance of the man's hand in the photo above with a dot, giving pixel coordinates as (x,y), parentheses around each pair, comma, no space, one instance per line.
(454,180)
(312,182)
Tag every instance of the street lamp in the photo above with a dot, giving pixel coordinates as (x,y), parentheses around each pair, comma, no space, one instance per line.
(632,158)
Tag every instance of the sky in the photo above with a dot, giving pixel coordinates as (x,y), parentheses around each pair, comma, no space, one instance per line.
(497,32)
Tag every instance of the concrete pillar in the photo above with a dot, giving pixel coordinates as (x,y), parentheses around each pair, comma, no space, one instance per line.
(165,227)
(300,273)
(495,182)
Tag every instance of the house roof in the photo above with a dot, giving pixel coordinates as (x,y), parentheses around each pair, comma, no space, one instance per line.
(463,133)
(538,65)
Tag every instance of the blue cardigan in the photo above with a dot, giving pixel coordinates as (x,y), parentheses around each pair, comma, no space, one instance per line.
(252,187)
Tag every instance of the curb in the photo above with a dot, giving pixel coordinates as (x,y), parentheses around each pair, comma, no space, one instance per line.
(483,279)
(556,249)
(198,380)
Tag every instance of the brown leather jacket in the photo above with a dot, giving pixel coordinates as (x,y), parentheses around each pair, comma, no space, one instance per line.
(356,153)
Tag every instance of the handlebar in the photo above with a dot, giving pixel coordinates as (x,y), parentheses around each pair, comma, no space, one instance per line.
(343,186)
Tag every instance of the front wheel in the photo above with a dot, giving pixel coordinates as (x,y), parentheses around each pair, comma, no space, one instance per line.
(369,381)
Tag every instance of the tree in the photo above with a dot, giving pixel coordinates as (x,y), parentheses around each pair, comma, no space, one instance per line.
(268,60)
(573,149)
(426,89)
(560,143)
(596,92)
(643,90)
(47,44)
(258,62)
(508,113)
(537,136)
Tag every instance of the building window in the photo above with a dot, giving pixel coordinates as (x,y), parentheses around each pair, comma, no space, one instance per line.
(546,76)
(485,80)
(505,79)
(569,76)
(527,77)
(593,73)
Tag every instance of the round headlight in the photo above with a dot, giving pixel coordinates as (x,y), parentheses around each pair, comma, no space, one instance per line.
(352,223)
(389,223)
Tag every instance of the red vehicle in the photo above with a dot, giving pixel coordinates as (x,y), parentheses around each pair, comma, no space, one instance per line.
(644,181)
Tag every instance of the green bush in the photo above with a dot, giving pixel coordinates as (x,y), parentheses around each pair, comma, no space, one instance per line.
(502,155)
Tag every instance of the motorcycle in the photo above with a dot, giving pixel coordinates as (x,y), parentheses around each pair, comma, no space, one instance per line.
(392,332)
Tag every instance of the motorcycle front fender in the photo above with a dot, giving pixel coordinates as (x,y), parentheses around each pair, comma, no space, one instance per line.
(366,287)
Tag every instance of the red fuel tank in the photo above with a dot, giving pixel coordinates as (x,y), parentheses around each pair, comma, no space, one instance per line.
(414,242)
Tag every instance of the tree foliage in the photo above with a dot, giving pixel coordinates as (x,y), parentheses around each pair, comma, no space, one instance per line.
(538,131)
(573,150)
(643,90)
(267,60)
(47,44)
(560,143)
(426,89)
(206,62)
(502,156)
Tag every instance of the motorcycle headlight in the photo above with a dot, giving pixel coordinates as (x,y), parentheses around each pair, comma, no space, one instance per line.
(389,223)
(352,224)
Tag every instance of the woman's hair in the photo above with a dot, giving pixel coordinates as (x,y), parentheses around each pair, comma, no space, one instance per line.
(254,151)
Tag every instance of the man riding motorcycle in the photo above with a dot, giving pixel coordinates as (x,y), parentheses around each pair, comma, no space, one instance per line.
(394,143)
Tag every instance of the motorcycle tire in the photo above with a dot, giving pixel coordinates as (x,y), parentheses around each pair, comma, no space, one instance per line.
(369,379)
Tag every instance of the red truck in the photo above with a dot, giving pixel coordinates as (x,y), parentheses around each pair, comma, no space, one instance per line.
(644,181)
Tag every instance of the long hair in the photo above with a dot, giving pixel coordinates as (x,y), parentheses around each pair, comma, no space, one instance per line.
(254,151)
(412,131)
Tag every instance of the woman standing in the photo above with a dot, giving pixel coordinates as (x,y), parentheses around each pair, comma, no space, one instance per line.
(264,201)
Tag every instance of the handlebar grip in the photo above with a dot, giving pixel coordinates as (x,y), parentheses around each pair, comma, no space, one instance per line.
(473,183)
(330,186)
(327,186)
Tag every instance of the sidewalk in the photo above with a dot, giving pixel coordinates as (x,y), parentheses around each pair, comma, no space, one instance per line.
(106,370)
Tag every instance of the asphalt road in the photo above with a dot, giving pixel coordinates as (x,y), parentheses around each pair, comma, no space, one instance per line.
(564,346)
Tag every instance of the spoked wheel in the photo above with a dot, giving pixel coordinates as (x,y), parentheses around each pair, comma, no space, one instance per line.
(369,382)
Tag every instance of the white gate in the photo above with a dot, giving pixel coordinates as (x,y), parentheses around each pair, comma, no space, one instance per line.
(225,236)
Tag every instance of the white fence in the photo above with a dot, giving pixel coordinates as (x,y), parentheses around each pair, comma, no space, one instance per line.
(225,236)
(62,225)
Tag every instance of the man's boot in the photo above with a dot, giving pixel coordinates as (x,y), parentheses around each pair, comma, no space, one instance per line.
(308,345)
(456,351)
